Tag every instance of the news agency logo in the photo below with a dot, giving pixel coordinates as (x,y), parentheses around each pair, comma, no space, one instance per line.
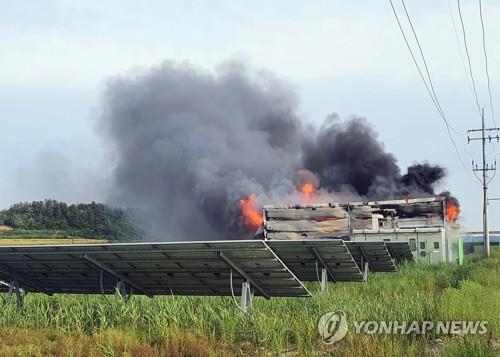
(421,327)
(332,327)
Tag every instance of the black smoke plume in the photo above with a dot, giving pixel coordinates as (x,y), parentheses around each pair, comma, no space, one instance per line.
(421,177)
(348,153)
(188,144)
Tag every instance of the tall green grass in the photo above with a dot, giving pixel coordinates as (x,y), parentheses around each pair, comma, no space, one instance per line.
(43,234)
(415,292)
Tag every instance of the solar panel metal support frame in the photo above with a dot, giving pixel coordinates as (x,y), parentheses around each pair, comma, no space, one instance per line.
(16,289)
(246,296)
(324,279)
(117,275)
(364,263)
(324,270)
(246,277)
(20,279)
(121,289)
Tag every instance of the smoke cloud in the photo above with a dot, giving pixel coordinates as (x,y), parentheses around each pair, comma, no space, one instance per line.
(348,153)
(188,144)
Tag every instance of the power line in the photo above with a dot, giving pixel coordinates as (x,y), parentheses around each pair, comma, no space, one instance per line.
(460,48)
(434,100)
(466,73)
(468,57)
(425,63)
(472,160)
(486,62)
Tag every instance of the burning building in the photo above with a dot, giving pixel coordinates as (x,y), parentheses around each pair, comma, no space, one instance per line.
(427,224)
(196,154)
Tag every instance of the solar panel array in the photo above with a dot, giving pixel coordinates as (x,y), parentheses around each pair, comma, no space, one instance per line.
(219,268)
(374,252)
(400,251)
(187,268)
(306,257)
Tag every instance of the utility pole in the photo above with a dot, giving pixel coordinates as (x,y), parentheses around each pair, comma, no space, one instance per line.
(486,134)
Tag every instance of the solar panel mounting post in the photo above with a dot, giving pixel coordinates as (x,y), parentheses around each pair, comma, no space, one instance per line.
(117,275)
(364,263)
(121,288)
(246,296)
(324,270)
(245,276)
(21,279)
(15,289)
(324,279)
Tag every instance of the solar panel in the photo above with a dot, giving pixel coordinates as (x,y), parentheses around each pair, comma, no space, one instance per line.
(181,268)
(400,251)
(373,252)
(306,257)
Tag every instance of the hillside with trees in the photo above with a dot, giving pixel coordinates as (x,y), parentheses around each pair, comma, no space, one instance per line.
(93,220)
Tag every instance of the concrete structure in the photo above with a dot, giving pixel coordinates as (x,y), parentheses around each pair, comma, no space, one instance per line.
(427,224)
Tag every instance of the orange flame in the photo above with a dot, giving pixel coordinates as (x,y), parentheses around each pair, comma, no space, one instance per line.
(452,211)
(251,214)
(307,189)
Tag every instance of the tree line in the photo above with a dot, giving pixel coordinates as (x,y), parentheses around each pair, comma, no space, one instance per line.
(94,220)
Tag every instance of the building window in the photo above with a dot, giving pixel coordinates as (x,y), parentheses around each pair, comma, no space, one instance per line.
(436,245)
(422,253)
(422,245)
(413,244)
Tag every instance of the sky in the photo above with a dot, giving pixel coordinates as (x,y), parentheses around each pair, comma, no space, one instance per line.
(339,56)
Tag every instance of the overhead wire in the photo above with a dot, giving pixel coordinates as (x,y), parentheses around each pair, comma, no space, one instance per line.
(438,105)
(488,83)
(472,160)
(491,148)
(429,91)
(494,171)
(492,177)
(470,67)
(459,46)
(486,62)
(468,57)
(466,71)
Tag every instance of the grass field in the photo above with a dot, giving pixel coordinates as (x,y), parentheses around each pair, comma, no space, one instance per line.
(49,241)
(65,325)
(40,234)
(9,236)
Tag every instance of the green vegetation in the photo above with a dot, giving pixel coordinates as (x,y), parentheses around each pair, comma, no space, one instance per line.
(49,241)
(53,219)
(65,325)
